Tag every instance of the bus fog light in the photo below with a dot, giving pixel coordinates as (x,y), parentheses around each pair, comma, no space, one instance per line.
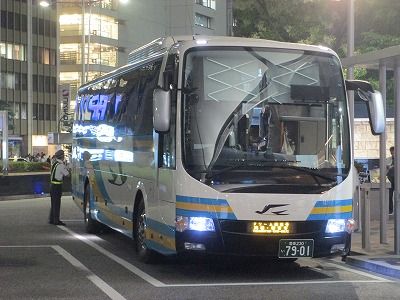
(337,248)
(194,246)
(194,223)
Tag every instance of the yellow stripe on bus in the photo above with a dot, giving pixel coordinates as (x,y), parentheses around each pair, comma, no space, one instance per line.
(158,238)
(332,209)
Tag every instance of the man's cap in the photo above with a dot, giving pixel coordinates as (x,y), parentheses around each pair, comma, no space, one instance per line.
(59,154)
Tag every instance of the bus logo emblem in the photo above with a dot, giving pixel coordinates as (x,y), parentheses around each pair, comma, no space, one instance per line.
(270,206)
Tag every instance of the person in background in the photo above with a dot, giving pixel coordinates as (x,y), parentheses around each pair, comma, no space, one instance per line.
(57,174)
(390,176)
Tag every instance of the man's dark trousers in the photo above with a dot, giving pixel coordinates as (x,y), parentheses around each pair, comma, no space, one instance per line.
(55,194)
(391,192)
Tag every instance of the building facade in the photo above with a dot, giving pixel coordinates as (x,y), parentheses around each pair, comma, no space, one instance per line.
(110,29)
(28,78)
(94,37)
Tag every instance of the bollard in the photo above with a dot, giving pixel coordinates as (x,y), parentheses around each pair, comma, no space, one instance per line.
(366,216)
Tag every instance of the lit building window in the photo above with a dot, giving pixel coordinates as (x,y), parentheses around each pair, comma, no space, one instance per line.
(105,55)
(202,20)
(101,25)
(70,24)
(206,3)
(13,51)
(71,78)
(70,54)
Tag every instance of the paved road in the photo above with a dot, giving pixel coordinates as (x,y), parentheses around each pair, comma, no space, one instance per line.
(42,261)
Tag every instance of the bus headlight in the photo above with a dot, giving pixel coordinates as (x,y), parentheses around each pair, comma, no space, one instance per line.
(340,225)
(194,223)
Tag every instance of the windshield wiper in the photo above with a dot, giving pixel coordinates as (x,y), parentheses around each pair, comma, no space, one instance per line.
(315,174)
(210,174)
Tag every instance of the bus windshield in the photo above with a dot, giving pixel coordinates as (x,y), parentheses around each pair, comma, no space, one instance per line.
(264,120)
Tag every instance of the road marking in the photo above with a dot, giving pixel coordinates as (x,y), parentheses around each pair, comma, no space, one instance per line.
(157,283)
(100,283)
(146,277)
(96,280)
(359,272)
(273,283)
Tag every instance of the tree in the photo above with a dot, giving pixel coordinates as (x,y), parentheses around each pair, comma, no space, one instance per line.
(323,22)
(286,20)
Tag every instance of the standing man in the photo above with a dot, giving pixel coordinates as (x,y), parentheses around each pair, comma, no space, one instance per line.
(58,171)
(390,176)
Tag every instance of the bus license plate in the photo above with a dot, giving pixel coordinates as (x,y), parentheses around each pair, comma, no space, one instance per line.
(296,248)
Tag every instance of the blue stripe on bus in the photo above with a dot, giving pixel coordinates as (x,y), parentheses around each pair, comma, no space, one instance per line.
(328,203)
(164,229)
(208,201)
(346,215)
(207,214)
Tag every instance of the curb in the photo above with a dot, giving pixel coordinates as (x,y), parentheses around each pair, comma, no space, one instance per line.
(385,265)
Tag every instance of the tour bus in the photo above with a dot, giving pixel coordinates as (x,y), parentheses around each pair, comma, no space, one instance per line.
(221,145)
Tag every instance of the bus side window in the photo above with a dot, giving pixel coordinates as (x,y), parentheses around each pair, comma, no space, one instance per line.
(125,92)
(143,109)
(85,113)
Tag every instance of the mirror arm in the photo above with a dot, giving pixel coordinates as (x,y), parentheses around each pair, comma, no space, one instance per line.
(354,85)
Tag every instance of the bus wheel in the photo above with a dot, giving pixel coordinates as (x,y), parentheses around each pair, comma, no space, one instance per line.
(92,226)
(145,254)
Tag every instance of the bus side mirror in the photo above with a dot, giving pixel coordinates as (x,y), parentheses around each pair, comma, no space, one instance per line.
(376,113)
(374,103)
(161,110)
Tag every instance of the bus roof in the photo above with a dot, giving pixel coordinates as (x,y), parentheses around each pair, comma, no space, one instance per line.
(158,47)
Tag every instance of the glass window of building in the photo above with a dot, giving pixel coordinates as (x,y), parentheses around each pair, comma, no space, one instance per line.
(46,56)
(8,80)
(70,54)
(206,3)
(70,24)
(100,25)
(13,51)
(71,78)
(16,110)
(23,111)
(105,55)
(202,20)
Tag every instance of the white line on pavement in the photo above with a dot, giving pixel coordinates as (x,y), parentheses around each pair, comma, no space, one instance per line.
(117,259)
(340,266)
(274,283)
(101,284)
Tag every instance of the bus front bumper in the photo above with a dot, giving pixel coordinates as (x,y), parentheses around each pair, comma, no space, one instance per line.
(249,244)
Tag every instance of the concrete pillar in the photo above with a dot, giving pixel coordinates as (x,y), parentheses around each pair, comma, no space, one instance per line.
(396,197)
(382,160)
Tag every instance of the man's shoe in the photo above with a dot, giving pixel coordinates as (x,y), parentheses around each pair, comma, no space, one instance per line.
(52,223)
(61,223)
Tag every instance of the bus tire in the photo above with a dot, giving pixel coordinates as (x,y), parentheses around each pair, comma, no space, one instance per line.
(145,254)
(91,225)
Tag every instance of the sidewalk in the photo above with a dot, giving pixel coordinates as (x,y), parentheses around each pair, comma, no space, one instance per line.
(380,258)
